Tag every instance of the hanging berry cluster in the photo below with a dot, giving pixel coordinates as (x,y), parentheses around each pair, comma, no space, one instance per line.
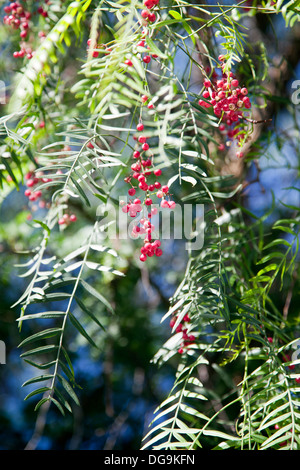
(19,18)
(144,175)
(229,102)
(32,180)
(182,328)
(39,197)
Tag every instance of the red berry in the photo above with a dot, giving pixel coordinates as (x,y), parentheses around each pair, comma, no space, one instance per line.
(128,62)
(157,172)
(131,192)
(140,127)
(149,4)
(146,59)
(152,17)
(165,189)
(145,146)
(144,98)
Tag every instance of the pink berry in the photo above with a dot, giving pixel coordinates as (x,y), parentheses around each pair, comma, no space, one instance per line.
(30,183)
(164,203)
(144,14)
(165,189)
(158,252)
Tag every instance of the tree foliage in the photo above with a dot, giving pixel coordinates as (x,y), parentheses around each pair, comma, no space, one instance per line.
(69,127)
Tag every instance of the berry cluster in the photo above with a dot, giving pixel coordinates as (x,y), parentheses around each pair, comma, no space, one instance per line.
(19,18)
(148,15)
(229,102)
(146,177)
(33,180)
(66,219)
(182,328)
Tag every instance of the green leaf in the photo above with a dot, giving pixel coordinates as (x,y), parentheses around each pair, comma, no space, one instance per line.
(81,329)
(49,333)
(37,391)
(68,388)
